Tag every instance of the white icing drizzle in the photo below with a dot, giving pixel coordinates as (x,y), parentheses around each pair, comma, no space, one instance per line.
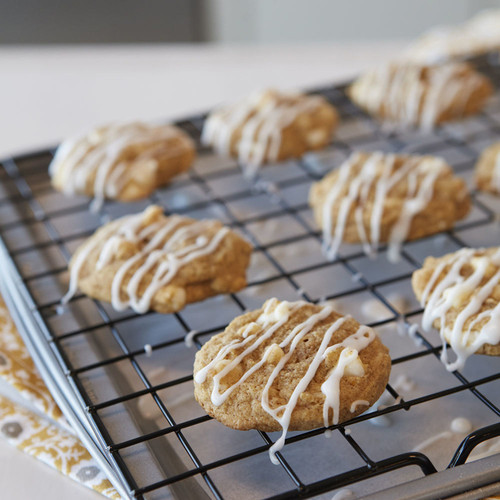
(157,255)
(381,421)
(189,338)
(432,440)
(440,296)
(411,98)
(331,387)
(418,196)
(274,316)
(357,403)
(103,153)
(403,383)
(401,326)
(412,333)
(444,88)
(262,118)
(458,425)
(495,179)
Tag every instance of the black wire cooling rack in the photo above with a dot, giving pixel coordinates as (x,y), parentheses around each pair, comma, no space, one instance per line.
(125,380)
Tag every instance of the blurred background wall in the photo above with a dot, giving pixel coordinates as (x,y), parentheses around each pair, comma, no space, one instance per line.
(331,20)
(225,21)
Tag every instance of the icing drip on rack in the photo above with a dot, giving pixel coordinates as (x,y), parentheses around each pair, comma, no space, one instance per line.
(458,425)
(259,120)
(413,94)
(274,316)
(448,288)
(357,403)
(158,255)
(495,179)
(104,154)
(376,176)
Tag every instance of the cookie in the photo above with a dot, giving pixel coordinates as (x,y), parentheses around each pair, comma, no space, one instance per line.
(148,261)
(290,366)
(385,198)
(477,36)
(422,96)
(487,170)
(461,295)
(123,162)
(270,126)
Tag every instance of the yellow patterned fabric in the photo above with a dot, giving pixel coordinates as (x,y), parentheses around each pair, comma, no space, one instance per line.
(18,370)
(47,438)
(52,445)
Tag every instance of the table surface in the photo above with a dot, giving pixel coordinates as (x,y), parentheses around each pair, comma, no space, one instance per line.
(49,93)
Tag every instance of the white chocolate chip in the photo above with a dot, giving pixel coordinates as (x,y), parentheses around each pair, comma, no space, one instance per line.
(457,295)
(278,313)
(250,329)
(355,368)
(273,354)
(281,311)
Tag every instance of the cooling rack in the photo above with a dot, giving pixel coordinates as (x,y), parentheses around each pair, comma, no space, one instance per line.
(124,381)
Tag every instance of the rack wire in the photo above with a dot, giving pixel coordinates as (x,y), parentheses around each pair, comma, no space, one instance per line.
(139,417)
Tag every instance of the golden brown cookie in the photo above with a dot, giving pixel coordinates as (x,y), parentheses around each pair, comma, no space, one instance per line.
(461,295)
(487,171)
(124,162)
(385,198)
(290,366)
(479,35)
(149,261)
(270,126)
(422,96)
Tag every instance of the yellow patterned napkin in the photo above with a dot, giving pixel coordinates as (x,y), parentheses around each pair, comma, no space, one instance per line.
(44,433)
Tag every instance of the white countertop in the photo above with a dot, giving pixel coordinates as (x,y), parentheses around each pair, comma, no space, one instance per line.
(49,93)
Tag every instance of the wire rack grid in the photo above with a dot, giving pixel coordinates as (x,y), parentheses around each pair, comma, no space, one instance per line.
(130,376)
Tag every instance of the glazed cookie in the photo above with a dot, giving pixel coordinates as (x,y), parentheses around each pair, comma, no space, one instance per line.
(479,35)
(461,296)
(487,171)
(270,126)
(149,261)
(421,96)
(385,198)
(290,366)
(125,162)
